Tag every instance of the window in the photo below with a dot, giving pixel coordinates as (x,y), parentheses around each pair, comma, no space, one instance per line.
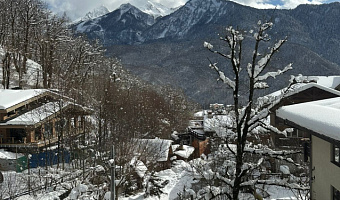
(336,194)
(38,135)
(295,134)
(60,126)
(48,128)
(17,134)
(336,154)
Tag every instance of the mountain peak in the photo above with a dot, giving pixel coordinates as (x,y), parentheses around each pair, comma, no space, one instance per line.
(152,8)
(97,12)
(126,6)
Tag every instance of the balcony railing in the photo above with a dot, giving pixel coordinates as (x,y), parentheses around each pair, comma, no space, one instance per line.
(13,142)
(291,142)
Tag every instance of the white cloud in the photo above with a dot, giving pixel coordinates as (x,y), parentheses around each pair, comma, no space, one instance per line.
(74,8)
(280,4)
(171,3)
(262,4)
(295,3)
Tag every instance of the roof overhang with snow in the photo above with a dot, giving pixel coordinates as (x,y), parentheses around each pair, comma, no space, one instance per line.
(320,118)
(327,81)
(42,114)
(183,151)
(302,87)
(13,99)
(157,149)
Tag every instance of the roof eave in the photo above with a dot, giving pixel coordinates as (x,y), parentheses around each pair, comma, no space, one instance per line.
(319,135)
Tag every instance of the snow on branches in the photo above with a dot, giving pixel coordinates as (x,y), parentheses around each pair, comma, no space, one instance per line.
(222,76)
(234,39)
(236,160)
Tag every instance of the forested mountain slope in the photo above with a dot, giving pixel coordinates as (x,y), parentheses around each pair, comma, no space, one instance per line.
(170,51)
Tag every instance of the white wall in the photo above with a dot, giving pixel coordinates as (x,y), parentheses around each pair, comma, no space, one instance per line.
(326,173)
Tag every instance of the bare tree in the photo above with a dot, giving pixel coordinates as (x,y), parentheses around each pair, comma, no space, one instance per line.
(233,162)
(19,23)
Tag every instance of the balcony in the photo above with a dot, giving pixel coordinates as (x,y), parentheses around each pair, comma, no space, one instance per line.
(14,142)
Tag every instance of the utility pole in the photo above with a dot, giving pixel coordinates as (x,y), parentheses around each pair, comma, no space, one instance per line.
(113,169)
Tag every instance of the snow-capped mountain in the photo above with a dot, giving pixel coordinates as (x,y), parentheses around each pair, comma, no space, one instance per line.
(125,25)
(166,49)
(152,8)
(98,12)
(192,14)
(184,21)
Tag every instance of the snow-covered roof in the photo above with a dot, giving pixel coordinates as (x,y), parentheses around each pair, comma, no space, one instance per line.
(37,115)
(185,152)
(321,116)
(199,114)
(217,123)
(296,88)
(196,123)
(9,98)
(327,81)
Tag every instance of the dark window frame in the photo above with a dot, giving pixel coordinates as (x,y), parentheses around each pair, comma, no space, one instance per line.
(336,154)
(335,194)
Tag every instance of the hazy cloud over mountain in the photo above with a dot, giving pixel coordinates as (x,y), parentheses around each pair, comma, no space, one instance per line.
(281,4)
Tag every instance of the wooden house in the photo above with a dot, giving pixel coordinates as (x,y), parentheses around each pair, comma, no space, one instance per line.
(320,119)
(199,137)
(38,117)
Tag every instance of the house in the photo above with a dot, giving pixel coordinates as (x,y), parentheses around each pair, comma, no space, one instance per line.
(199,137)
(195,136)
(34,118)
(157,151)
(299,93)
(320,119)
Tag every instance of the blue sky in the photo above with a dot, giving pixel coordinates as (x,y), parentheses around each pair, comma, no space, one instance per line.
(78,8)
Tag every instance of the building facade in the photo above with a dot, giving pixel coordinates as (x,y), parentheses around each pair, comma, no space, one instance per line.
(321,120)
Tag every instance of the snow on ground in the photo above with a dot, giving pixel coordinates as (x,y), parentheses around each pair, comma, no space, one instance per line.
(139,167)
(48,196)
(9,155)
(217,123)
(30,77)
(276,192)
(178,178)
